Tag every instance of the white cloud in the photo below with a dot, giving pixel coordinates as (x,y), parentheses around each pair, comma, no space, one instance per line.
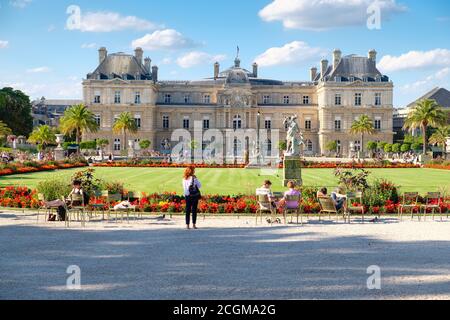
(61,90)
(434,80)
(4,44)
(88,45)
(111,21)
(290,53)
(196,58)
(167,39)
(39,70)
(415,60)
(325,14)
(20,3)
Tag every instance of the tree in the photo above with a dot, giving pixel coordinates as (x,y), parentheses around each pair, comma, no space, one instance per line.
(102,143)
(372,146)
(426,113)
(331,146)
(439,137)
(78,119)
(416,146)
(5,131)
(381,145)
(388,148)
(125,124)
(282,145)
(145,144)
(43,136)
(88,145)
(362,126)
(15,111)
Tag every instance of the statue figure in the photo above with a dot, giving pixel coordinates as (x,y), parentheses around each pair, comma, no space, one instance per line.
(294,137)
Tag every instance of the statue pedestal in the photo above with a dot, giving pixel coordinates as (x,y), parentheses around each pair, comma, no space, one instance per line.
(59,154)
(292,170)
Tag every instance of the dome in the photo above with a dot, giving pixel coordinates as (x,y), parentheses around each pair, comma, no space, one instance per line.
(237,75)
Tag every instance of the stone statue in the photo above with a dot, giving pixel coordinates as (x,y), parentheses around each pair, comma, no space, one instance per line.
(294,137)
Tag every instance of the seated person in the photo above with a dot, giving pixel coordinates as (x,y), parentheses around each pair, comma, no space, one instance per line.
(284,203)
(322,192)
(60,204)
(339,198)
(266,190)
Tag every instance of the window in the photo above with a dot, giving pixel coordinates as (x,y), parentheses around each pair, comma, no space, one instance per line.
(206,123)
(187,99)
(237,147)
(377,124)
(308,125)
(357,145)
(137,97)
(351,79)
(98,119)
(137,120)
(337,79)
(167,98)
(117,146)
(117,97)
(358,99)
(165,122)
(365,79)
(337,124)
(206,99)
(286,99)
(268,124)
(338,99)
(309,146)
(305,99)
(97,97)
(378,99)
(186,123)
(266,99)
(237,122)
(268,147)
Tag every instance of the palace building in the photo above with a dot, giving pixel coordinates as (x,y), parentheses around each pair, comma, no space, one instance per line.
(326,105)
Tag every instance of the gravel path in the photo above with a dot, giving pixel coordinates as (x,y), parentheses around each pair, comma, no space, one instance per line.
(227,259)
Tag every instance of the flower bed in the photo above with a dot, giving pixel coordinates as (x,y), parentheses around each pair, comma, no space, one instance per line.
(166,165)
(30,167)
(438,166)
(18,197)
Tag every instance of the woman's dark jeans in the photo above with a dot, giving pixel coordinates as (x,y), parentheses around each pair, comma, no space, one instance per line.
(191,207)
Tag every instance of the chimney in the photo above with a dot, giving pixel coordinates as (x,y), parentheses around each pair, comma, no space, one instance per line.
(148,64)
(155,74)
(313,73)
(255,70)
(373,55)
(323,68)
(337,55)
(216,70)
(139,54)
(102,54)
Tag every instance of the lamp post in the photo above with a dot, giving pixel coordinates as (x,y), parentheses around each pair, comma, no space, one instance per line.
(258,147)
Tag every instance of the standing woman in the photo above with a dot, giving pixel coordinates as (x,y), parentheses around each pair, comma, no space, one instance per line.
(191,186)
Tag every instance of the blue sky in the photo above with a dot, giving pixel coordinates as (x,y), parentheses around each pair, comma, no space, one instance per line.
(41,55)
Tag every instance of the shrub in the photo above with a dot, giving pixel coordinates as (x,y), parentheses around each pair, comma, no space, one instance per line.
(114,187)
(88,182)
(88,145)
(372,145)
(53,188)
(405,147)
(416,146)
(381,145)
(396,147)
(353,180)
(388,148)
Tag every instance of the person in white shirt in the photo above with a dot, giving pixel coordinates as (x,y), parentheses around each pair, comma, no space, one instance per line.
(191,187)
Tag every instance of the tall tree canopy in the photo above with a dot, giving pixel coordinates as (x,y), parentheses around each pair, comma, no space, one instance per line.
(15,111)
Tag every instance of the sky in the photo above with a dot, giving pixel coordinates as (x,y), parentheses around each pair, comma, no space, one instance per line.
(47,47)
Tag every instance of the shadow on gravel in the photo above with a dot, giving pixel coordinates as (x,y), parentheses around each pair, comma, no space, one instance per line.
(232,263)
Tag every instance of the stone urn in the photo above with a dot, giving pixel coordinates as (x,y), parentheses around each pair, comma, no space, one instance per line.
(59,140)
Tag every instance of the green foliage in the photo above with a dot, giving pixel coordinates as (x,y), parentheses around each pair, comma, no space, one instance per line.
(353,180)
(388,148)
(88,145)
(412,139)
(53,188)
(125,124)
(379,192)
(440,135)
(282,145)
(101,143)
(114,187)
(77,120)
(67,144)
(89,183)
(43,135)
(381,145)
(372,145)
(15,111)
(405,147)
(396,147)
(145,144)
(331,146)
(416,146)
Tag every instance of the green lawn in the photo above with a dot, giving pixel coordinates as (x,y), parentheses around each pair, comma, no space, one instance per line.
(234,181)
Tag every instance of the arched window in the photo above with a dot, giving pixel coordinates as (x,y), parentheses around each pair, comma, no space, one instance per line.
(237,122)
(309,146)
(237,147)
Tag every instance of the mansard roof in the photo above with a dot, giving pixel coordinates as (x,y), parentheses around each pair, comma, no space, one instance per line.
(440,95)
(122,66)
